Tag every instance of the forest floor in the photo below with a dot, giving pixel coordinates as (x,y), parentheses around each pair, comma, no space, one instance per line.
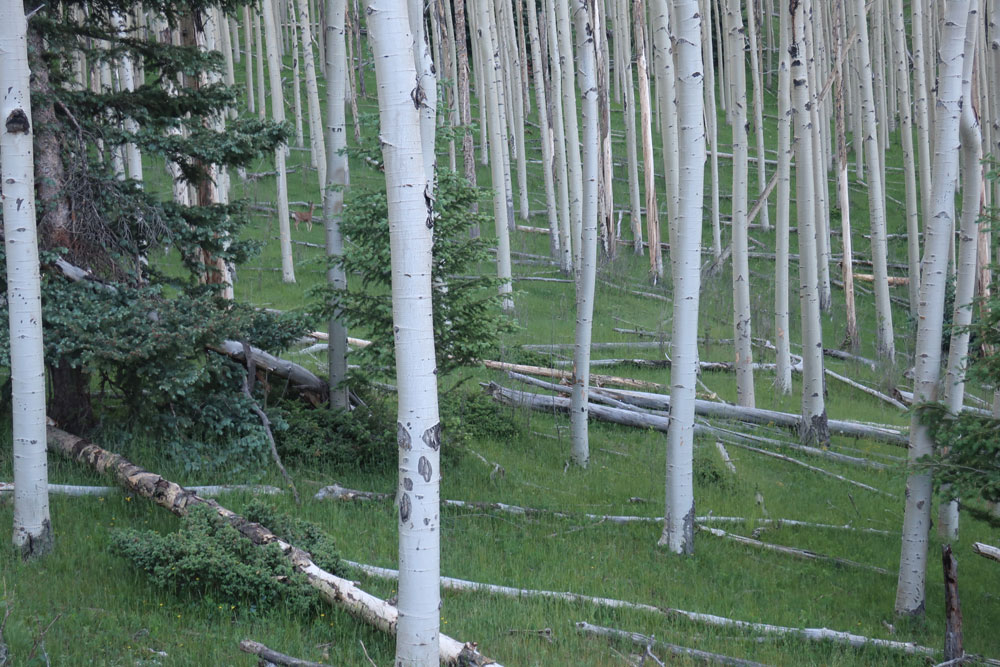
(107,613)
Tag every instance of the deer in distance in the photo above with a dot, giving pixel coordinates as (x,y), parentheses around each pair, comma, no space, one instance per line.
(301,216)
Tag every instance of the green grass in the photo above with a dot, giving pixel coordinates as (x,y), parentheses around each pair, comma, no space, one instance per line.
(108,614)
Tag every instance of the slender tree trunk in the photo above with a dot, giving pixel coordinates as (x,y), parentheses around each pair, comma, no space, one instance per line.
(261,91)
(587,46)
(516,101)
(33,535)
(938,226)
(312,95)
(300,140)
(572,133)
(758,111)
(544,136)
(678,528)
(815,429)
(126,73)
(559,125)
(464,102)
(711,122)
(920,71)
(278,115)
(336,180)
(628,110)
(782,332)
(648,160)
(419,429)
(248,61)
(665,89)
(843,191)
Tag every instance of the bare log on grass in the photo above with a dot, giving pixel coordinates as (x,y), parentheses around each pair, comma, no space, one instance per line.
(298,377)
(986,551)
(868,390)
(271,656)
(596,380)
(204,491)
(647,641)
(175,498)
(725,456)
(811,634)
(779,523)
(791,551)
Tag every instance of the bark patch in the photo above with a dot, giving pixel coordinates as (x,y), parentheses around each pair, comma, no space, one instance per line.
(403,437)
(404,507)
(17,122)
(425,468)
(432,437)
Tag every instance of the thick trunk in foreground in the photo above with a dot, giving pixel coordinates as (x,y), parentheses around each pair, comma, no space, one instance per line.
(176,499)
(33,535)
(678,527)
(938,229)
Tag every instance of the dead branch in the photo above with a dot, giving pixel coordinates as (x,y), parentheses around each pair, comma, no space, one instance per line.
(647,641)
(986,551)
(272,656)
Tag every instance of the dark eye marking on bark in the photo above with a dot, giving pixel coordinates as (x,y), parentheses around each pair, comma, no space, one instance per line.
(425,468)
(407,483)
(403,437)
(404,508)
(17,122)
(432,437)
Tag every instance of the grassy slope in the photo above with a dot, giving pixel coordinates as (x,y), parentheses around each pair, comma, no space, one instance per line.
(111,616)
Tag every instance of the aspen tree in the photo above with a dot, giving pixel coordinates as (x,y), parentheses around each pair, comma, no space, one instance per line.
(225,41)
(938,228)
(815,429)
(782,332)
(572,130)
(885,343)
(490,86)
(33,535)
(678,528)
(464,102)
(278,115)
(503,102)
(819,171)
(648,161)
(419,428)
(559,136)
(605,179)
(758,110)
(921,104)
(711,125)
(663,60)
(234,40)
(336,179)
(261,92)
(297,89)
(628,110)
(843,190)
(516,102)
(126,72)
(972,190)
(587,45)
(316,140)
(741,258)
(543,131)
(248,61)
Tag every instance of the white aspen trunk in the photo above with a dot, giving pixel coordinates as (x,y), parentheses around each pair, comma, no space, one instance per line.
(758,111)
(782,332)
(819,167)
(624,65)
(248,61)
(444,8)
(720,59)
(843,188)
(559,135)
(543,131)
(909,159)
(678,525)
(490,86)
(261,91)
(234,39)
(968,251)
(278,115)
(605,190)
(336,180)
(225,44)
(33,535)
(921,105)
(516,102)
(300,140)
(587,45)
(815,429)
(418,429)
(885,343)
(665,89)
(712,122)
(427,86)
(503,97)
(938,226)
(126,73)
(648,161)
(316,140)
(741,259)
(572,133)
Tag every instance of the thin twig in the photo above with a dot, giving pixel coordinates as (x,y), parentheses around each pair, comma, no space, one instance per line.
(367,657)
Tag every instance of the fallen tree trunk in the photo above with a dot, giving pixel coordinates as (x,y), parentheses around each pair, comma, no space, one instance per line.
(811,634)
(272,657)
(298,377)
(596,380)
(986,551)
(647,641)
(175,498)
(204,491)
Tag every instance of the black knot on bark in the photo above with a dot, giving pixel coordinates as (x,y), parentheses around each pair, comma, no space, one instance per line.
(17,122)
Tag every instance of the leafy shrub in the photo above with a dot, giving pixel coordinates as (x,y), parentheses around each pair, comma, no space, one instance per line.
(209,559)
(471,414)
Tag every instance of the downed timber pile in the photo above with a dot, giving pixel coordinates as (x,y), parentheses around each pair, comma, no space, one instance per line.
(175,498)
(704,408)
(204,491)
(811,634)
(649,642)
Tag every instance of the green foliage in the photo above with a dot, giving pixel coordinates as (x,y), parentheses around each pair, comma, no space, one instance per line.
(472,415)
(468,322)
(209,560)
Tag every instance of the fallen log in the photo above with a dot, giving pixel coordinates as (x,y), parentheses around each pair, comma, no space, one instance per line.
(868,390)
(647,641)
(986,551)
(725,456)
(204,491)
(175,498)
(272,657)
(894,281)
(779,523)
(811,634)
(298,377)
(596,380)
(790,551)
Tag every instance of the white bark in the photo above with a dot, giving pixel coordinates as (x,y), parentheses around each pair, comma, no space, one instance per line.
(418,429)
(572,133)
(261,90)
(278,115)
(248,61)
(490,90)
(126,73)
(587,45)
(33,534)
(685,256)
(336,179)
(427,87)
(648,162)
(920,72)
(624,67)
(297,88)
(663,61)
(938,227)
(316,140)
(814,421)
(711,124)
(544,135)
(758,111)
(782,332)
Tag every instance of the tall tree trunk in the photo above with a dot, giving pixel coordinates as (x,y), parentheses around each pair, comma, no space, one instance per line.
(464,102)
(678,528)
(278,115)
(758,111)
(628,110)
(782,331)
(312,95)
(938,227)
(712,123)
(300,140)
(261,90)
(648,161)
(663,61)
(544,135)
(336,179)
(921,104)
(587,45)
(126,73)
(248,75)
(815,429)
(33,534)
(843,190)
(562,175)
(572,133)
(418,429)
